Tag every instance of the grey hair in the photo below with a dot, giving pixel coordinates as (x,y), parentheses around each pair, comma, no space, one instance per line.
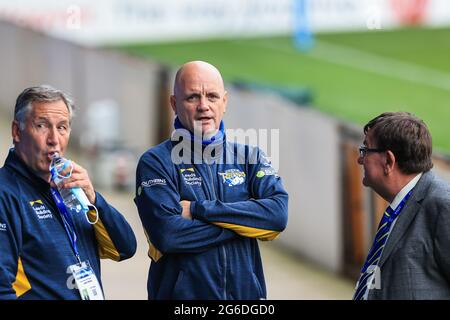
(42,93)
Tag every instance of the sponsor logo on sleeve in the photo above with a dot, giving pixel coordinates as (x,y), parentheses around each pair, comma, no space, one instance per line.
(153,182)
(266,171)
(150,183)
(2,227)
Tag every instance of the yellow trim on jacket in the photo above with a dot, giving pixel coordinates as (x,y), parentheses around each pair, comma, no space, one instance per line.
(106,247)
(21,285)
(249,232)
(153,252)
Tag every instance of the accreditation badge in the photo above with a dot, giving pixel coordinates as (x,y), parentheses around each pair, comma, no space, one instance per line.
(86,281)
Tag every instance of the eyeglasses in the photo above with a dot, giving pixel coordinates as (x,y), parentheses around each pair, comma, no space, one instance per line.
(363,150)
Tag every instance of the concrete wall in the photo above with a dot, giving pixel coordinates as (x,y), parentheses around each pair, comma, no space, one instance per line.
(309,166)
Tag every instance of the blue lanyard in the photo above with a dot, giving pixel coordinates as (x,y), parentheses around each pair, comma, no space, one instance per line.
(67,221)
(399,207)
(384,228)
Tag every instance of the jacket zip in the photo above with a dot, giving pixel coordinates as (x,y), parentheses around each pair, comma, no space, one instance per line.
(225,274)
(223,247)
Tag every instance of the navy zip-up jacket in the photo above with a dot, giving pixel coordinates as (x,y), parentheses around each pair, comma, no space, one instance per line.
(215,255)
(35,250)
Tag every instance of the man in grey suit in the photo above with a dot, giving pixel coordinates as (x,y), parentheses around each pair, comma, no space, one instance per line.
(410,255)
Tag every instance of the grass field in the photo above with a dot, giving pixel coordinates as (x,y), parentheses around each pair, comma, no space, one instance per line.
(354,76)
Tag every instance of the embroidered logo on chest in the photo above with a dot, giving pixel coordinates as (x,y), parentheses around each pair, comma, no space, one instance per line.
(190,177)
(41,210)
(233,177)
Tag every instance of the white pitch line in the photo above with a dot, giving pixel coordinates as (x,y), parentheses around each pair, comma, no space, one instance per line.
(369,62)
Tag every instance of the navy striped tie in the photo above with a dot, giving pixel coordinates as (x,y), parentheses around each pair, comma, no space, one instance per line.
(369,268)
(375,252)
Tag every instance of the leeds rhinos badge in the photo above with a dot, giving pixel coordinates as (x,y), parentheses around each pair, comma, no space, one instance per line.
(233,177)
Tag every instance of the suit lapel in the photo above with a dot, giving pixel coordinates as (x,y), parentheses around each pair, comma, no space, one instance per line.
(407,215)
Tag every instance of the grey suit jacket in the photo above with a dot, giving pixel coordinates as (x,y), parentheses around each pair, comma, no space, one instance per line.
(415,263)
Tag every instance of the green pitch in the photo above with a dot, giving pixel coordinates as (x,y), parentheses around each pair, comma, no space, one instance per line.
(353,76)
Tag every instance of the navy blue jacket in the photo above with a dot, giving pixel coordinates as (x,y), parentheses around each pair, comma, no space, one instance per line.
(35,251)
(215,255)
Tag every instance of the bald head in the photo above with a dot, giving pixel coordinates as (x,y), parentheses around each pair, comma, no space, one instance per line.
(196,69)
(199,97)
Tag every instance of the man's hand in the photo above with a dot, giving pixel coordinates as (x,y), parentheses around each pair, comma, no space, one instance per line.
(186,213)
(79,178)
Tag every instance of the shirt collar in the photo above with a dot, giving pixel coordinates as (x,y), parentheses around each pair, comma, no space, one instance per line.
(409,186)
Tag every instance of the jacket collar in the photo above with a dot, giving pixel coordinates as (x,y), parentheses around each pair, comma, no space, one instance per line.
(412,207)
(217,139)
(17,165)
(191,153)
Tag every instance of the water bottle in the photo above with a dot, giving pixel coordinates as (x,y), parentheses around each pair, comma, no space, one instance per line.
(74,199)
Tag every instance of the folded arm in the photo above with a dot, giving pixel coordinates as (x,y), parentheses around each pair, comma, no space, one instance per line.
(263,216)
(158,202)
